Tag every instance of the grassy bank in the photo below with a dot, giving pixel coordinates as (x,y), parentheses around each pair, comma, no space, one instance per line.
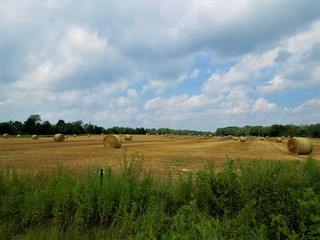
(245,200)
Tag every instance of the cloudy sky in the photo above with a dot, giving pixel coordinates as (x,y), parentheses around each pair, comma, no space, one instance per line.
(179,64)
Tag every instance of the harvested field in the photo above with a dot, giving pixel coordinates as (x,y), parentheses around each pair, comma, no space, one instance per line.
(161,154)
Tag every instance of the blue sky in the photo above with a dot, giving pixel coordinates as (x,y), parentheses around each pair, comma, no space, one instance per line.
(179,64)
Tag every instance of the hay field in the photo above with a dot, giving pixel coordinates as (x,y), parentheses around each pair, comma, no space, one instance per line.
(162,154)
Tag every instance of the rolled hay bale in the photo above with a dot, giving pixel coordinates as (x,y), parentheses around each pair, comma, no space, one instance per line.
(300,146)
(112,141)
(66,136)
(74,135)
(128,137)
(6,135)
(147,134)
(59,137)
(171,136)
(89,135)
(283,137)
(18,135)
(242,139)
(35,136)
(279,140)
(235,139)
(262,138)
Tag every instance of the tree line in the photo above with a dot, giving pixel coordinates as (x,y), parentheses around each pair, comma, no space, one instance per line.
(34,125)
(276,130)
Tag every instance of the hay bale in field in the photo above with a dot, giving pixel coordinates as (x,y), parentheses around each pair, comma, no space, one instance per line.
(6,135)
(283,137)
(171,136)
(66,136)
(235,139)
(89,135)
(242,139)
(147,134)
(74,135)
(35,136)
(166,135)
(128,137)
(300,146)
(59,137)
(19,135)
(279,140)
(262,138)
(112,141)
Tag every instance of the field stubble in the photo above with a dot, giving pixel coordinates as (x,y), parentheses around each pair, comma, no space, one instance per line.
(161,154)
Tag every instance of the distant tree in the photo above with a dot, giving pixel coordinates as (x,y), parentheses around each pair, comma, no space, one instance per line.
(31,125)
(276,130)
(6,127)
(47,128)
(78,127)
(61,126)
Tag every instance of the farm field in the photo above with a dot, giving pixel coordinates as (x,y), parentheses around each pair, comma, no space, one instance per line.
(161,154)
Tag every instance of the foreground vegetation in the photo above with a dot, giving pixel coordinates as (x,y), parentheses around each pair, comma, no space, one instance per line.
(244,200)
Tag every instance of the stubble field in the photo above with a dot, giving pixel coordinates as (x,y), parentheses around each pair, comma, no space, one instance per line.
(161,154)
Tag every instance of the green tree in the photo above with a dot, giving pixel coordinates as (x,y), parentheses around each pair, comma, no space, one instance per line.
(31,125)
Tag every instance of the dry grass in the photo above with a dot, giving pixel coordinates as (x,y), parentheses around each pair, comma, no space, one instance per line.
(161,154)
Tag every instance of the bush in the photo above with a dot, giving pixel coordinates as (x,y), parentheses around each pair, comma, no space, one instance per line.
(255,200)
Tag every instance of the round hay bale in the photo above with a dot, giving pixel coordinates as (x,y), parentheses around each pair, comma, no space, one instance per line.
(262,138)
(242,139)
(89,135)
(235,139)
(19,135)
(300,146)
(35,136)
(279,140)
(74,135)
(112,141)
(147,134)
(171,136)
(6,135)
(59,137)
(66,136)
(128,137)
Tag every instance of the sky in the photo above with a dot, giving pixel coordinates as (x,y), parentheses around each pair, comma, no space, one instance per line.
(181,64)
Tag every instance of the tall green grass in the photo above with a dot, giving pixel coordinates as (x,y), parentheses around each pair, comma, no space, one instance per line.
(245,200)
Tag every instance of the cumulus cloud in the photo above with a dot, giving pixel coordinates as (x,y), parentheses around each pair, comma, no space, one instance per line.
(262,105)
(134,63)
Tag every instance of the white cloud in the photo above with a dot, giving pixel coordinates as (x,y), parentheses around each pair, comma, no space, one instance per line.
(276,84)
(138,62)
(262,105)
(311,106)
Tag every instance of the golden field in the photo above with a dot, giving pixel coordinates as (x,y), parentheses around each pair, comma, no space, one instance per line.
(161,154)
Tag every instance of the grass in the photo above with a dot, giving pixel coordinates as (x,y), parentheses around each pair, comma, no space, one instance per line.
(243,200)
